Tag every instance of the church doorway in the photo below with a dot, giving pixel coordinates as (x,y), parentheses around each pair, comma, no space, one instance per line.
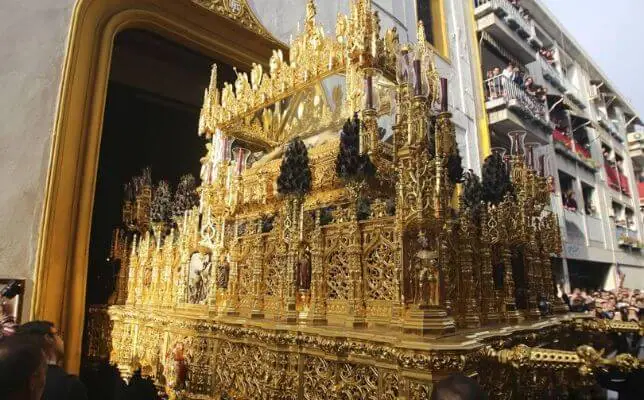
(154,96)
(73,182)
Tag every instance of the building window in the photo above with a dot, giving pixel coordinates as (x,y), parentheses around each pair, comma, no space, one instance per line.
(588,193)
(432,15)
(424,12)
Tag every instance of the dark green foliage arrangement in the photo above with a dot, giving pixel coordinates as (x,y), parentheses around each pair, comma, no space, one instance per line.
(455,167)
(186,197)
(496,179)
(161,207)
(295,173)
(472,196)
(350,165)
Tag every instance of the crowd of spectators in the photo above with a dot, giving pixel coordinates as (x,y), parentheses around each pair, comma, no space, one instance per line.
(619,304)
(500,80)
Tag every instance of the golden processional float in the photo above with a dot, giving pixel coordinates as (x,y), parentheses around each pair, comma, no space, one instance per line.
(319,265)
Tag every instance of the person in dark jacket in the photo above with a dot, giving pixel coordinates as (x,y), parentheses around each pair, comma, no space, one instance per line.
(59,385)
(22,369)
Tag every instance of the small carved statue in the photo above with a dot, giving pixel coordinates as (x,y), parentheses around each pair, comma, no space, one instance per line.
(222,273)
(303,279)
(178,367)
(427,278)
(199,277)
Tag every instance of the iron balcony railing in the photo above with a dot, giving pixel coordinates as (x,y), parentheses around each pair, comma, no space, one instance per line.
(501,87)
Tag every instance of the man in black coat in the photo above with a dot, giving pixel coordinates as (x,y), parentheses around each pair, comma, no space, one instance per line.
(59,385)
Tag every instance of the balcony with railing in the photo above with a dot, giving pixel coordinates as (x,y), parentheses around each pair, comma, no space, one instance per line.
(573,150)
(573,93)
(506,24)
(615,179)
(551,75)
(627,238)
(610,126)
(510,107)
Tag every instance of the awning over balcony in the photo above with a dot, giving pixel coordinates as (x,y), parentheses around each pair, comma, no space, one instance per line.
(507,39)
(499,50)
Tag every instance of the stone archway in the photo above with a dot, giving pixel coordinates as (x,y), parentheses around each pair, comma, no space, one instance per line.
(62,255)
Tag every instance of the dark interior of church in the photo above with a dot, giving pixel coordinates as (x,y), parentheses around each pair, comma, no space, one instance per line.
(152,108)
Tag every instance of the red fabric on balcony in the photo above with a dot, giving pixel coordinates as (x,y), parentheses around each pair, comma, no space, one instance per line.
(581,150)
(611,176)
(623,182)
(640,189)
(561,137)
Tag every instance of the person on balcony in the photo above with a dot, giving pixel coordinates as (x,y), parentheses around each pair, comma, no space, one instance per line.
(517,76)
(489,86)
(508,72)
(496,89)
(569,201)
(529,86)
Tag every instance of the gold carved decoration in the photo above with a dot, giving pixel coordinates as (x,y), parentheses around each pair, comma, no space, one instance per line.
(237,11)
(347,290)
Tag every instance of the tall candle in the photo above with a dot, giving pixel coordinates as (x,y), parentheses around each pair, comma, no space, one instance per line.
(417,82)
(369,82)
(444,101)
(240,155)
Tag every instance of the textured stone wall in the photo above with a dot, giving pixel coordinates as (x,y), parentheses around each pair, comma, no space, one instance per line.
(33,36)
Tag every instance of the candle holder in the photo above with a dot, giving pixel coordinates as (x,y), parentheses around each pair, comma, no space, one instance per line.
(530,159)
(517,142)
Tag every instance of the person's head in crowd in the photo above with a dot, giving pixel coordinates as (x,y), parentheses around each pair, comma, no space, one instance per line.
(23,368)
(53,345)
(529,81)
(490,74)
(458,387)
(496,71)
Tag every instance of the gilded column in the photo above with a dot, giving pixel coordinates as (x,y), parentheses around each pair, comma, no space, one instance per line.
(317,314)
(257,308)
(511,312)
(357,313)
(291,231)
(233,280)
(132,274)
(471,317)
(489,313)
(531,256)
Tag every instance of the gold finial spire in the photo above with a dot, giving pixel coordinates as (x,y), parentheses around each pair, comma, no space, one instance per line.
(311,12)
(212,88)
(420,34)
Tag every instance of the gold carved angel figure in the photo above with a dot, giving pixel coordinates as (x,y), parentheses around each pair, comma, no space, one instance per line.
(426,275)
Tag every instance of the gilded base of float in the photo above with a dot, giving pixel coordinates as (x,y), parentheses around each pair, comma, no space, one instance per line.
(246,358)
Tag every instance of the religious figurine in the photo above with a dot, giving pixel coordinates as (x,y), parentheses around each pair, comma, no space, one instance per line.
(222,273)
(147,276)
(207,166)
(425,270)
(198,277)
(303,279)
(177,372)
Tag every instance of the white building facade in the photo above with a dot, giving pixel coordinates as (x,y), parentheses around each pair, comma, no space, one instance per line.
(582,123)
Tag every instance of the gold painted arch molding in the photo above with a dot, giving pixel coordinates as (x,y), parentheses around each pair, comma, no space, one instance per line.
(240,12)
